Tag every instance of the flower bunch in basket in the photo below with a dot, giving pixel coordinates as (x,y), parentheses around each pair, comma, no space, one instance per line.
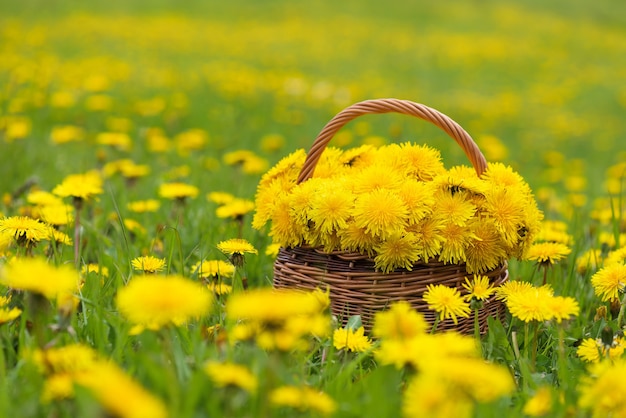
(400,206)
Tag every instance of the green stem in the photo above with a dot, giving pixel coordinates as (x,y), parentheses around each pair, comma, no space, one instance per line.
(170,369)
(562,366)
(530,352)
(477,333)
(78,203)
(4,387)
(37,307)
(435,324)
(535,345)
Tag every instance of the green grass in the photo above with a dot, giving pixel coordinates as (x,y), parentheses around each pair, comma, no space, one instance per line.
(545,78)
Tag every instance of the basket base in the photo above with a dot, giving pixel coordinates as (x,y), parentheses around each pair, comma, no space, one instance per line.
(356,288)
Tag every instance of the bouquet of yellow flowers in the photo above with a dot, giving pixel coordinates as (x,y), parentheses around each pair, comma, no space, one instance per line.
(399,205)
(379,224)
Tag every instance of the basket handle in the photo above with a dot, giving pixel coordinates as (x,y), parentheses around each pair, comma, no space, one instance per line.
(405,107)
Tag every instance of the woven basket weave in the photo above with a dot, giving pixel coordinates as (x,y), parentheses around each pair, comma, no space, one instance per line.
(355,285)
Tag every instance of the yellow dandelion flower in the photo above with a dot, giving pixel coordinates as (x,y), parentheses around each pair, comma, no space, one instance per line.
(398,250)
(547,253)
(609,281)
(95,268)
(250,162)
(455,239)
(484,250)
(191,140)
(358,157)
(213,268)
(272,142)
(16,127)
(285,228)
(260,304)
(446,301)
(235,248)
(57,215)
(401,321)
(134,227)
(221,198)
(58,386)
(142,206)
(418,198)
(327,167)
(461,179)
(161,300)
(398,352)
(381,212)
(58,237)
(120,394)
(471,376)
(266,199)
(148,264)
(376,177)
(355,238)
(66,133)
(235,209)
(298,202)
(9,314)
(540,403)
(561,308)
(419,161)
(479,288)
(287,168)
(303,398)
(617,256)
(231,374)
(504,176)
(69,359)
(219,288)
(512,287)
(272,250)
(331,209)
(425,397)
(351,340)
(134,171)
(158,142)
(506,207)
(530,304)
(38,276)
(61,365)
(113,167)
(118,140)
(24,230)
(602,390)
(178,190)
(429,238)
(43,198)
(594,350)
(455,208)
(493,148)
(80,186)
(553,231)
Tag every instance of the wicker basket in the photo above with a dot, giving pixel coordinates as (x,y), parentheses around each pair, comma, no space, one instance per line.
(356,287)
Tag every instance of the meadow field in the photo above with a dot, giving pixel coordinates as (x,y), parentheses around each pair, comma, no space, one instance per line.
(136,137)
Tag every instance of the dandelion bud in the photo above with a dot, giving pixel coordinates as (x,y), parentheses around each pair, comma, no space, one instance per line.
(600,313)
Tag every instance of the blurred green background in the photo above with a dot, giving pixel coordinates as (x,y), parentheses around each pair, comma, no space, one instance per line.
(539,85)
